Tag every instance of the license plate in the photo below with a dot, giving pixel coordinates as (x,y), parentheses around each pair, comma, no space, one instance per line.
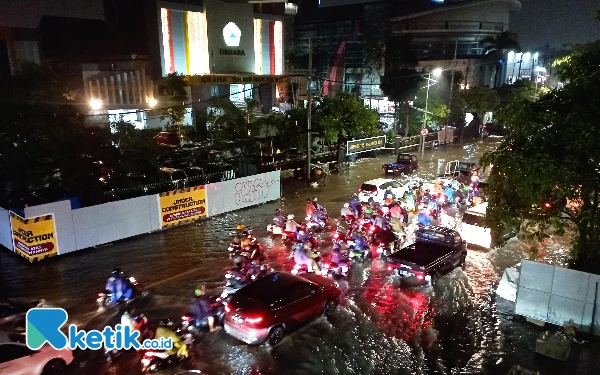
(390,170)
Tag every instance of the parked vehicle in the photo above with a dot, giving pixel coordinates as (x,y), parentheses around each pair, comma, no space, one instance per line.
(17,358)
(376,189)
(436,251)
(167,138)
(265,309)
(473,229)
(405,164)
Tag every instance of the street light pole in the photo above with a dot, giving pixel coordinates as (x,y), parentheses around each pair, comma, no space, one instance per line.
(309,115)
(425,117)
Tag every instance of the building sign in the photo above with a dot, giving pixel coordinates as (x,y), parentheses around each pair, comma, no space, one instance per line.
(184,205)
(362,145)
(232,35)
(226,79)
(232,52)
(34,238)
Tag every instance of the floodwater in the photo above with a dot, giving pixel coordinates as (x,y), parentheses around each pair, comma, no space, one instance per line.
(379,328)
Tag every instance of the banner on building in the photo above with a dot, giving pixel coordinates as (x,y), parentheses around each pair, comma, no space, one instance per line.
(363,145)
(185,205)
(34,238)
(231,79)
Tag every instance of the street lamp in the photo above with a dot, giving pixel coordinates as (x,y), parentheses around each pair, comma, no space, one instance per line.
(152,103)
(436,73)
(96,104)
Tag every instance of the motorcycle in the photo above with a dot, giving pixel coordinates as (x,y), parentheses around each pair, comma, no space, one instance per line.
(334,270)
(146,332)
(157,360)
(188,324)
(384,250)
(314,224)
(303,268)
(358,254)
(274,228)
(104,299)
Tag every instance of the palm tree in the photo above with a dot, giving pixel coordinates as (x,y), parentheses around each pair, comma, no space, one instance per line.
(496,48)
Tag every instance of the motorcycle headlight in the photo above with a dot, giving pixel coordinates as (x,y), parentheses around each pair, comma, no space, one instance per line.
(145,361)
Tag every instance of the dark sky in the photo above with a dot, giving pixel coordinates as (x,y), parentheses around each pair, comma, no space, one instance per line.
(556,22)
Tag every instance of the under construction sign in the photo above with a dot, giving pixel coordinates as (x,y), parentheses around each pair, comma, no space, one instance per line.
(34,238)
(182,205)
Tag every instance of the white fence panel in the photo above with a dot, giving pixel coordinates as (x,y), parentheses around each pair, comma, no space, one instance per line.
(570,283)
(536,276)
(243,192)
(5,234)
(532,303)
(562,310)
(63,220)
(112,221)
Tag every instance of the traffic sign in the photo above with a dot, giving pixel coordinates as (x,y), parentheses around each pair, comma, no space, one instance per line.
(424,131)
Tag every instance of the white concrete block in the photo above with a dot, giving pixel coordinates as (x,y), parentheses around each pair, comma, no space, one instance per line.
(536,276)
(570,283)
(562,311)
(532,303)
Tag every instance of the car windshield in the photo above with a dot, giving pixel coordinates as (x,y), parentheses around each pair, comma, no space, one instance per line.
(473,220)
(368,187)
(403,157)
(268,289)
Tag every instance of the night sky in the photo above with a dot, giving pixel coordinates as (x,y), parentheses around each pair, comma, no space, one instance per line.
(556,22)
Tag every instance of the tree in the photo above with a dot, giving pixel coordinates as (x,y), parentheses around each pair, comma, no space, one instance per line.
(479,100)
(496,48)
(401,86)
(344,116)
(545,172)
(137,149)
(176,94)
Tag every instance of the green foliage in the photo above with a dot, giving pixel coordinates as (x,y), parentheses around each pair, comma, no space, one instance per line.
(176,94)
(479,100)
(344,116)
(136,147)
(551,154)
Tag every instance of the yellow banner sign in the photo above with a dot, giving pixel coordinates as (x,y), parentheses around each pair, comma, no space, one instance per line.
(228,79)
(363,145)
(182,205)
(34,238)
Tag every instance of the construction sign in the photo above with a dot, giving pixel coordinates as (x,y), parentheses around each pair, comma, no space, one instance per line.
(185,205)
(34,238)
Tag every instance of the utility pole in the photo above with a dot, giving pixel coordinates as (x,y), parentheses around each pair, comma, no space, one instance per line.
(425,116)
(451,85)
(309,115)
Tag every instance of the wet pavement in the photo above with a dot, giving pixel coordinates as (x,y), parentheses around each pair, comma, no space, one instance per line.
(452,328)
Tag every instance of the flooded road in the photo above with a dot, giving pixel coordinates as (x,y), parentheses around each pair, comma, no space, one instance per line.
(379,329)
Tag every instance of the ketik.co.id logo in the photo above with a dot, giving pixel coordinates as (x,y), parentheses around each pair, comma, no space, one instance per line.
(43,325)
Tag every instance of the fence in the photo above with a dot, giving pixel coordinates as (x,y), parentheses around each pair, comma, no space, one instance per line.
(78,229)
(559,296)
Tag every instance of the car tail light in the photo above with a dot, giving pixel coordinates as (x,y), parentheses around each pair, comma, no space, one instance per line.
(227,308)
(100,294)
(336,235)
(389,268)
(186,318)
(256,320)
(419,275)
(372,228)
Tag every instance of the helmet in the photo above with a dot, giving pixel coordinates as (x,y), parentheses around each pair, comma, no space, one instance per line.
(290,217)
(307,246)
(369,210)
(278,211)
(246,233)
(239,227)
(298,246)
(200,290)
(117,271)
(165,323)
(354,195)
(346,205)
(315,199)
(301,230)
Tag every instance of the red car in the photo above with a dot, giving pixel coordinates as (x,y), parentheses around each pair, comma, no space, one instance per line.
(167,138)
(265,309)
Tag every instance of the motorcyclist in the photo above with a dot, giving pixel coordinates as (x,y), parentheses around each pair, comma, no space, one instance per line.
(346,211)
(238,232)
(360,242)
(315,203)
(319,215)
(449,193)
(381,222)
(369,215)
(437,188)
(291,225)
(338,257)
(303,235)
(310,208)
(409,200)
(396,218)
(165,330)
(201,309)
(279,219)
(237,275)
(304,256)
(475,178)
(116,285)
(454,184)
(128,319)
(423,218)
(247,239)
(355,204)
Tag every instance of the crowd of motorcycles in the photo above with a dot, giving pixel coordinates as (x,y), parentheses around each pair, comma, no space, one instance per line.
(360,229)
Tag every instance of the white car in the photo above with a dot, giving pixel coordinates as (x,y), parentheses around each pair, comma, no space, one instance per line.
(18,359)
(376,189)
(472,228)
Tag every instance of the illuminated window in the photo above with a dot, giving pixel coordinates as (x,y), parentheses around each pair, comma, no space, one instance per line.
(197,43)
(166,38)
(278,41)
(258,56)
